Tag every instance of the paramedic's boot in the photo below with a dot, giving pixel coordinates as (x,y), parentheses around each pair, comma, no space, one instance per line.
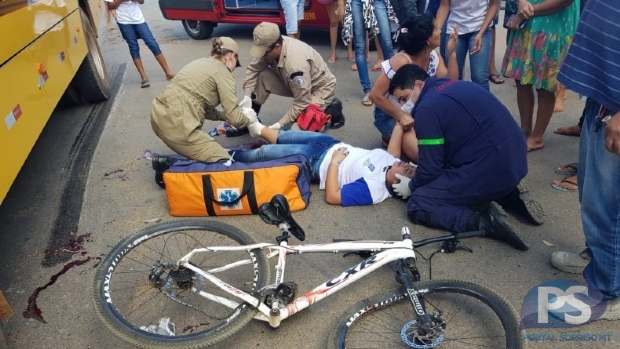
(519,202)
(335,110)
(495,225)
(161,163)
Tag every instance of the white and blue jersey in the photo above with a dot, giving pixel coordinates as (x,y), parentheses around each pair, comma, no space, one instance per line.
(361,175)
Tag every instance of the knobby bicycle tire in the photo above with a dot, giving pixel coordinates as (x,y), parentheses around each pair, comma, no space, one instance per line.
(475,317)
(169,314)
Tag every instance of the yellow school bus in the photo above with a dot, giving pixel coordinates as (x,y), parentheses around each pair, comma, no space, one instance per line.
(48,51)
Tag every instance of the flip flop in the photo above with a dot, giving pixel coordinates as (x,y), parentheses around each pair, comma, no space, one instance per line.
(366,101)
(565,180)
(376,67)
(574,130)
(354,67)
(540,147)
(568,169)
(145,83)
(330,61)
(496,78)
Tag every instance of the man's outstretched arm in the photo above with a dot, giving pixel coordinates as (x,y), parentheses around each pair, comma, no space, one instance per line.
(332,187)
(396,141)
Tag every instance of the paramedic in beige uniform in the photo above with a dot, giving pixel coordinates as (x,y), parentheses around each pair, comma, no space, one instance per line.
(288,67)
(178,113)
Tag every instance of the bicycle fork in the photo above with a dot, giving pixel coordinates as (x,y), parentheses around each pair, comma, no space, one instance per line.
(424,329)
(405,269)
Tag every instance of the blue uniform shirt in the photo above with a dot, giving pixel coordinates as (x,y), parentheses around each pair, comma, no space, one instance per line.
(469,143)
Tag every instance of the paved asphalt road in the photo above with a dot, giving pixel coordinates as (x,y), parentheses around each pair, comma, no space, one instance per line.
(47,229)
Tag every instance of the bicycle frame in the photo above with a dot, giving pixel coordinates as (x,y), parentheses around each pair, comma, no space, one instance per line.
(388,251)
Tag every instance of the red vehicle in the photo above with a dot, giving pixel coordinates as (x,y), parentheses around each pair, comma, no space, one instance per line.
(199,17)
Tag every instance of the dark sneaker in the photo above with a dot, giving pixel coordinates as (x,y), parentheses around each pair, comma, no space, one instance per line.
(571,262)
(493,221)
(335,110)
(159,179)
(519,202)
(161,163)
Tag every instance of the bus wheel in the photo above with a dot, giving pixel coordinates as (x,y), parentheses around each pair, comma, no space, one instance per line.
(198,30)
(92,79)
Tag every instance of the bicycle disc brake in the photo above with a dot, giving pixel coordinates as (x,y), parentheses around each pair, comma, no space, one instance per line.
(412,335)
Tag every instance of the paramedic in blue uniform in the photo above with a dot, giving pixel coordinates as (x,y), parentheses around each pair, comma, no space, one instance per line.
(349,175)
(472,155)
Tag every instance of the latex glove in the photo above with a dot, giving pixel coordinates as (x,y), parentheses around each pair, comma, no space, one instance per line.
(276,126)
(402,188)
(246,102)
(250,114)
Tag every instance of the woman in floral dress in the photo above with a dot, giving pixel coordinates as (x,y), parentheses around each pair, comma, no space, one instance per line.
(540,33)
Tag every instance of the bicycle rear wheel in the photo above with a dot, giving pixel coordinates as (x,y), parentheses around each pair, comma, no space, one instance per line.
(473,317)
(142,298)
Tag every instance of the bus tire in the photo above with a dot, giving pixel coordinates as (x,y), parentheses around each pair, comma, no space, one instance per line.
(92,79)
(198,30)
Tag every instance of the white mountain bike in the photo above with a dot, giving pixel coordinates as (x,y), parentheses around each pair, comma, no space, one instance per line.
(193,283)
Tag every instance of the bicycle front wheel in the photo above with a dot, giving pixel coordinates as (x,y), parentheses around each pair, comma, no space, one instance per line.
(146,300)
(465,315)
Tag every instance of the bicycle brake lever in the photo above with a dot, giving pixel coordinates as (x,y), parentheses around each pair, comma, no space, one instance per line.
(450,246)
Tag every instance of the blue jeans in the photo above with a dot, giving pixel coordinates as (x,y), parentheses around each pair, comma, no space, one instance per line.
(599,193)
(384,123)
(478,63)
(132,32)
(313,145)
(293,12)
(359,38)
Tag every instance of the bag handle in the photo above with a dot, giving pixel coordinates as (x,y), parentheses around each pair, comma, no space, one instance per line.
(248,189)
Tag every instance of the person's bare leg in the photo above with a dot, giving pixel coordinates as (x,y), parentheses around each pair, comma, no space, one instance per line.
(560,96)
(525,102)
(377,65)
(138,63)
(333,29)
(164,65)
(350,52)
(546,100)
(493,73)
(108,19)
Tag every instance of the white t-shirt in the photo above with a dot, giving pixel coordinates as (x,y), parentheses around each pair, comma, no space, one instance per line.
(361,175)
(387,69)
(468,15)
(128,12)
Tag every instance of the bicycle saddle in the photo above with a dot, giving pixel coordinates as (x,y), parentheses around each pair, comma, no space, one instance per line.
(276,212)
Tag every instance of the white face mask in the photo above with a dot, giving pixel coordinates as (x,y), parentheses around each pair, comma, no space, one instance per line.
(408,106)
